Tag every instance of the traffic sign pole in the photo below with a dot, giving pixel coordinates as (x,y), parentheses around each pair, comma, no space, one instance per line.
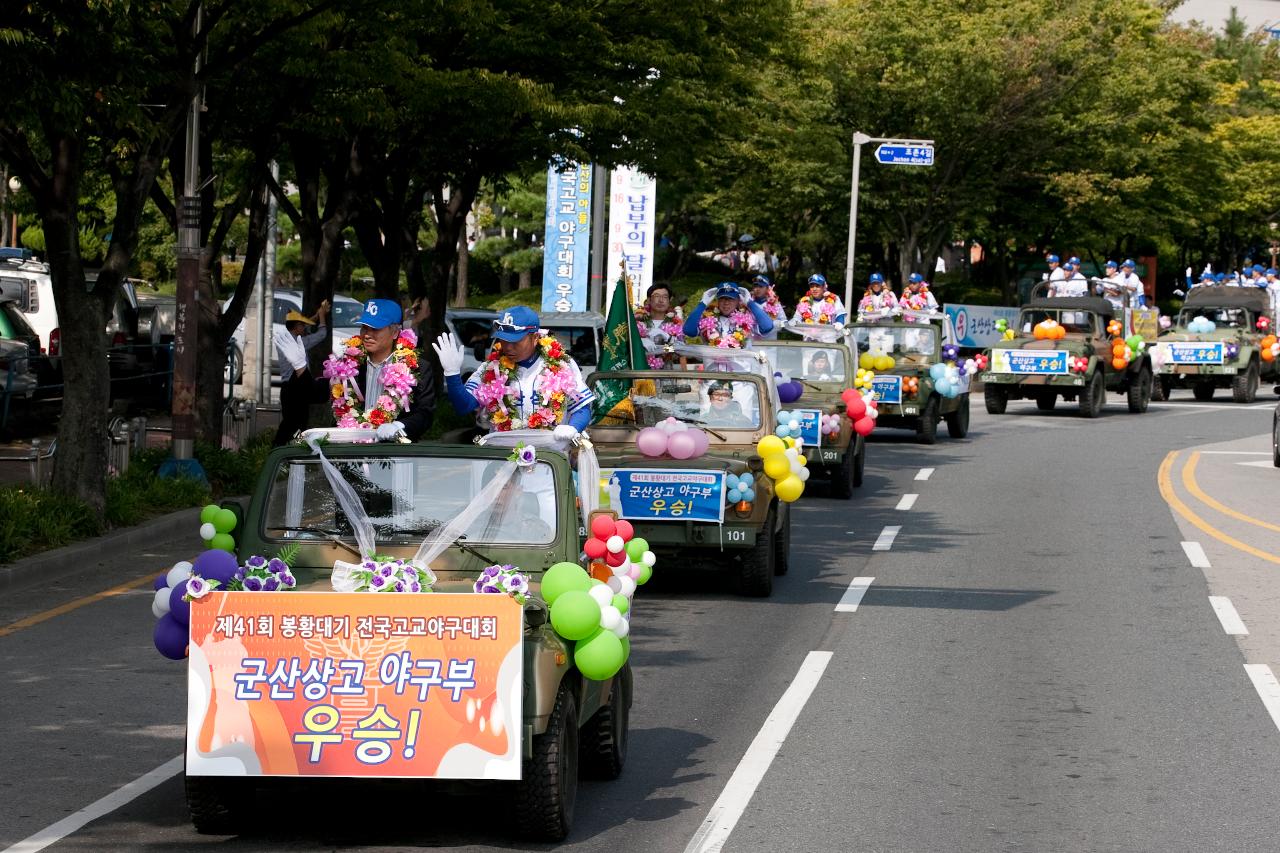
(859,139)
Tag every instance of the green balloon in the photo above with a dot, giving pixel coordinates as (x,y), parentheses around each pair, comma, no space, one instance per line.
(575,615)
(208,512)
(224,521)
(621,602)
(1134,341)
(562,578)
(636,548)
(223,542)
(600,655)
(626,648)
(646,572)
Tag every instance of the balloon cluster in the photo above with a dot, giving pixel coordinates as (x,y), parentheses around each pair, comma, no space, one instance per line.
(785,465)
(950,352)
(1264,323)
(741,487)
(591,611)
(1079,364)
(1270,348)
(1165,321)
(1125,350)
(864,378)
(674,438)
(1002,326)
(1201,325)
(216,525)
(946,378)
(1231,350)
(789,392)
(910,385)
(830,424)
(1114,328)
(788,424)
(875,361)
(980,362)
(1049,330)
(861,410)
(170,604)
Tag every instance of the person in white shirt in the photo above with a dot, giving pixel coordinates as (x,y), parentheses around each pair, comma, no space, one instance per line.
(300,388)
(1133,284)
(1111,286)
(1071,284)
(1055,271)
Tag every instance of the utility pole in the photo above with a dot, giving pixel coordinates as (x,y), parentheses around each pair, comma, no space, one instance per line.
(599,203)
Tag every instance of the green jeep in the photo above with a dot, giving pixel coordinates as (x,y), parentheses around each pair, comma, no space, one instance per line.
(568,720)
(1226,356)
(905,393)
(825,370)
(1041,369)
(756,534)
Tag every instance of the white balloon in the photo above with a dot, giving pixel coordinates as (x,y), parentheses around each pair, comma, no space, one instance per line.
(160,603)
(207,531)
(799,445)
(179,573)
(873,412)
(649,558)
(803,474)
(610,618)
(622,568)
(628,586)
(614,544)
(792,453)
(601,593)
(622,629)
(793,425)
(615,583)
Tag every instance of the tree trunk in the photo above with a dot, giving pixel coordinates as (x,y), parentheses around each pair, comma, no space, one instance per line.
(526,280)
(463,269)
(451,219)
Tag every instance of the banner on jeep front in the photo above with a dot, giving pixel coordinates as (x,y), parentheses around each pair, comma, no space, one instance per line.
(1029,361)
(666,494)
(810,426)
(888,389)
(355,684)
(1189,352)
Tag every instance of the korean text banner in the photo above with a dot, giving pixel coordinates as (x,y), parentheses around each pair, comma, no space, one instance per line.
(633,208)
(354,684)
(653,494)
(888,389)
(1190,352)
(1031,361)
(566,245)
(810,426)
(975,325)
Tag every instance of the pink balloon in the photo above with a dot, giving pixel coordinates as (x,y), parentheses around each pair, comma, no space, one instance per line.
(700,439)
(681,445)
(634,573)
(864,426)
(652,441)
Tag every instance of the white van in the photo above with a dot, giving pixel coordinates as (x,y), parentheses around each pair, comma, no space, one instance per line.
(32,280)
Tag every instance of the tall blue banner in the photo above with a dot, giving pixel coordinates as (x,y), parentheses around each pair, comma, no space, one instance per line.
(567,241)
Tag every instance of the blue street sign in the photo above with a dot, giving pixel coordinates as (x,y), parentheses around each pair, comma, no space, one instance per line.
(905,155)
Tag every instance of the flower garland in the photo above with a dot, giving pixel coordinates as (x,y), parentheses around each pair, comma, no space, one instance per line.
(917,300)
(877,302)
(772,306)
(672,326)
(741,320)
(823,311)
(399,376)
(503,579)
(499,391)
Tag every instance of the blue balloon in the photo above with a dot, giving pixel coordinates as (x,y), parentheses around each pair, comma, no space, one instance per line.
(938,372)
(179,608)
(161,581)
(731,481)
(747,479)
(783,432)
(216,565)
(789,392)
(734,496)
(748,495)
(784,417)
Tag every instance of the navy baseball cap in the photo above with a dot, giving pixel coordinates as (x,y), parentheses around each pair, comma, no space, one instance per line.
(817,278)
(876,278)
(515,323)
(1257,267)
(727,290)
(1052,259)
(380,313)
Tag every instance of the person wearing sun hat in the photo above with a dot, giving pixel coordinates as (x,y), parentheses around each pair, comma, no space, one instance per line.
(527,380)
(300,388)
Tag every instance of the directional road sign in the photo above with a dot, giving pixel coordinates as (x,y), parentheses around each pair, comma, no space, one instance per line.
(905,155)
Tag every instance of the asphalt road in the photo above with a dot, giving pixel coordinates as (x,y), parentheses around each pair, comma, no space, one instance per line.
(1036,665)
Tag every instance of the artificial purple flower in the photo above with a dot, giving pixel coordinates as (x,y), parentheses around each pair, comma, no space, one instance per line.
(409,573)
(492,571)
(526,456)
(490,588)
(414,586)
(377,582)
(369,564)
(387,570)
(256,562)
(277,565)
(271,584)
(253,584)
(287,581)
(238,576)
(516,583)
(197,587)
(399,586)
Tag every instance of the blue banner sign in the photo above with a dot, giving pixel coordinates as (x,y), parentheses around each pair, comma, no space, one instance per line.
(567,239)
(888,389)
(810,426)
(975,325)
(905,155)
(664,494)
(1188,352)
(1033,361)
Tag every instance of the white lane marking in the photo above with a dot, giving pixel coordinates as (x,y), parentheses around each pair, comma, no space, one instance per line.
(924,473)
(885,540)
(853,595)
(1227,615)
(1235,452)
(55,832)
(907,502)
(1196,555)
(1264,681)
(1261,463)
(735,797)
(1230,407)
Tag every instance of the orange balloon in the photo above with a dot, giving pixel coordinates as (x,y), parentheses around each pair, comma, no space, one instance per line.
(1268,341)
(1266,355)
(1059,332)
(601,571)
(1039,332)
(1119,363)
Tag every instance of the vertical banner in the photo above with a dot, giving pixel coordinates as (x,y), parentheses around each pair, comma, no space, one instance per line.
(566,245)
(633,203)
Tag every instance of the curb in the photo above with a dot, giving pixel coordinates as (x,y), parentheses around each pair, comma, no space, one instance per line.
(98,550)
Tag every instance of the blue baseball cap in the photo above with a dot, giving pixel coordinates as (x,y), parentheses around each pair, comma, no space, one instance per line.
(1111,265)
(515,323)
(1257,267)
(380,313)
(876,278)
(1068,266)
(1074,261)
(1220,276)
(915,278)
(817,278)
(1128,263)
(727,290)
(761,281)
(1052,259)
(1272,271)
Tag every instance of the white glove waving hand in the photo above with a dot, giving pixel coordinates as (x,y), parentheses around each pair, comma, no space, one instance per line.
(565,432)
(387,432)
(709,296)
(449,351)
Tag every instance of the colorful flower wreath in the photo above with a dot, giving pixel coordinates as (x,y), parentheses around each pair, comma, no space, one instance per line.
(741,320)
(399,376)
(821,311)
(499,391)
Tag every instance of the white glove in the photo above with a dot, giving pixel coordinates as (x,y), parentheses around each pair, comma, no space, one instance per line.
(838,326)
(386,432)
(449,351)
(565,432)
(709,296)
(744,295)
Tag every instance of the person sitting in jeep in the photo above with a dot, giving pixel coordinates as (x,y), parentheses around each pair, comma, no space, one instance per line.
(819,366)
(723,410)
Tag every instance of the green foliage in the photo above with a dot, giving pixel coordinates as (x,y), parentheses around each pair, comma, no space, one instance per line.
(36,520)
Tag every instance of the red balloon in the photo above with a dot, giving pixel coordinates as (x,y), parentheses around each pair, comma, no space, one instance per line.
(623,528)
(864,426)
(856,408)
(602,527)
(594,548)
(848,394)
(616,559)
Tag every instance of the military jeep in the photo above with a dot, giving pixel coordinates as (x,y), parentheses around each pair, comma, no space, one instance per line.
(914,341)
(1228,356)
(1030,368)
(842,456)
(752,537)
(409,491)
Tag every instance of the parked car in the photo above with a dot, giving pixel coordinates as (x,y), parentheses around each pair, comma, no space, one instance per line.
(580,332)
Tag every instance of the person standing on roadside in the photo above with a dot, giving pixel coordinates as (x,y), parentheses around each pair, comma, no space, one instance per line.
(300,388)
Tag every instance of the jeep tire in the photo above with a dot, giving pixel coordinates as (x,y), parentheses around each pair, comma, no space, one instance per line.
(1140,391)
(782,543)
(996,398)
(755,578)
(958,421)
(1093,396)
(219,805)
(1244,386)
(1046,401)
(927,427)
(603,750)
(860,463)
(1203,391)
(842,475)
(548,787)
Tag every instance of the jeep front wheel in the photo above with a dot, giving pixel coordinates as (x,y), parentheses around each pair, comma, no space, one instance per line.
(756,577)
(548,785)
(1094,395)
(927,428)
(1244,386)
(1203,391)
(958,421)
(1140,392)
(1046,401)
(996,398)
(219,805)
(842,477)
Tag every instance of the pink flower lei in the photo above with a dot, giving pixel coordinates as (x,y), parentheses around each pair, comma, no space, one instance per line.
(741,320)
(399,376)
(671,325)
(772,305)
(499,390)
(823,311)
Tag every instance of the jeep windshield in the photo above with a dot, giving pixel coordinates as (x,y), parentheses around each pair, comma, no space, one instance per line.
(693,397)
(1231,318)
(815,363)
(408,498)
(919,340)
(1080,322)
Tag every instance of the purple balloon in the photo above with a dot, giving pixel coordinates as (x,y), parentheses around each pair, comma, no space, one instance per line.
(681,445)
(789,392)
(180,609)
(652,441)
(700,439)
(170,637)
(216,565)
(161,581)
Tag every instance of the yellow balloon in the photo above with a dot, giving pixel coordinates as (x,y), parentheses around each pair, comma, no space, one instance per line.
(789,489)
(770,445)
(802,459)
(777,466)
(884,362)
(866,360)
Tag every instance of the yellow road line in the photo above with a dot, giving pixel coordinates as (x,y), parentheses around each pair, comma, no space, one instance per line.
(1189,480)
(46,615)
(1166,491)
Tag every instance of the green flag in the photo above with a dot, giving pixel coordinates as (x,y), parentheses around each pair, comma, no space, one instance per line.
(622,349)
